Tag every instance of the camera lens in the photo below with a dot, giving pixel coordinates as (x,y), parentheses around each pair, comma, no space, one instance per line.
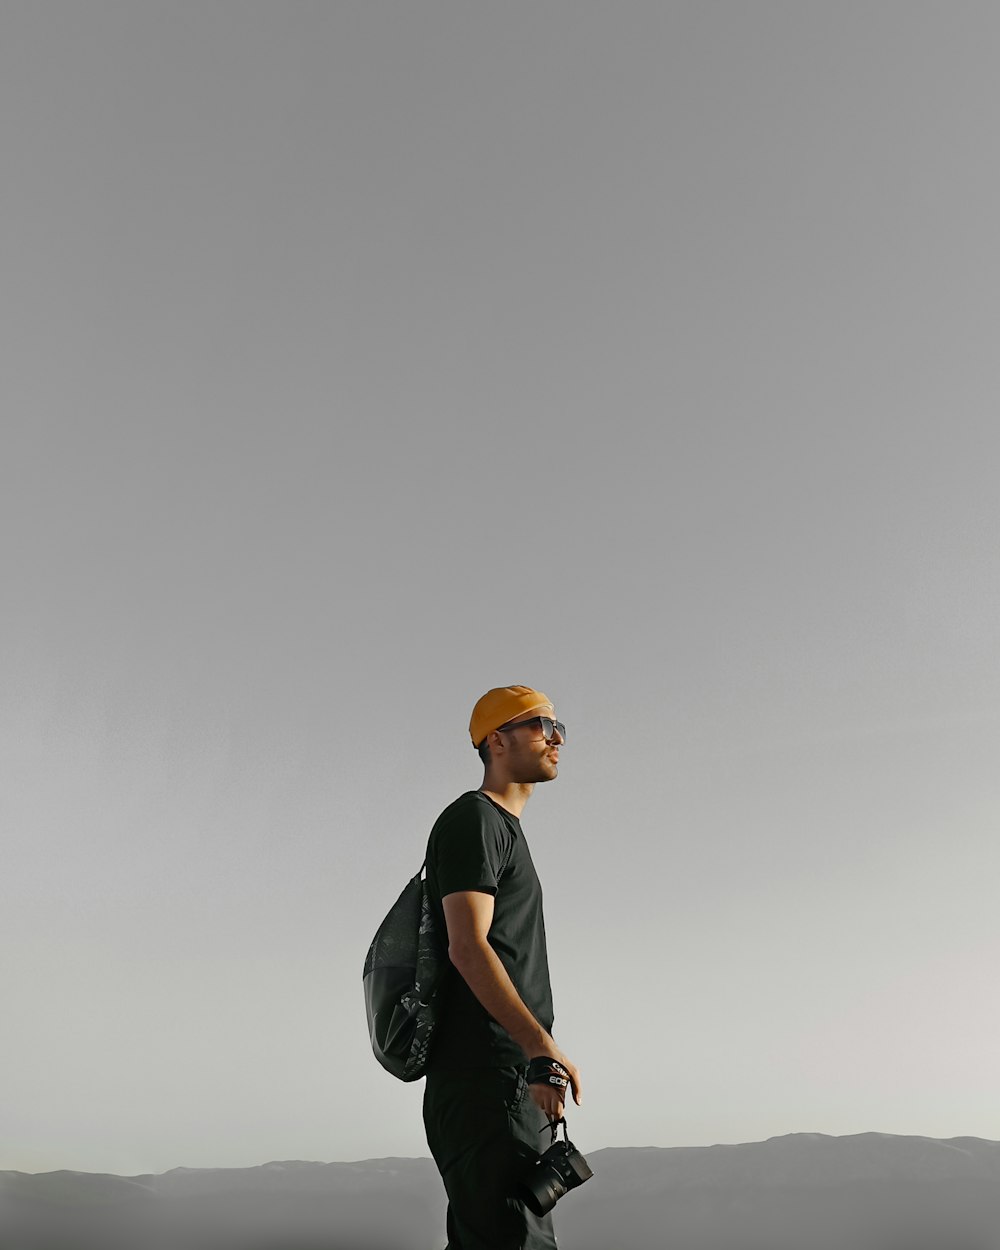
(541,1192)
(554,1174)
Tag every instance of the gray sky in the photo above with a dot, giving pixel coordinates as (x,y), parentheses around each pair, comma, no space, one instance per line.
(359,357)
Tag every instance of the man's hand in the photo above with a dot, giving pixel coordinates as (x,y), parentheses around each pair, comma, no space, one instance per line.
(551,1099)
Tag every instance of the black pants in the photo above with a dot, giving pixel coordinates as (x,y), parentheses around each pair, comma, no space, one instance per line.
(479,1122)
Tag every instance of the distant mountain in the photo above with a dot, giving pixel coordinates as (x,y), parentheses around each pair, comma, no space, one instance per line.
(806,1191)
(380,1204)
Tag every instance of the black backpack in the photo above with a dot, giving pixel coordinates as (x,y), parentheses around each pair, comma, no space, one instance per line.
(402,975)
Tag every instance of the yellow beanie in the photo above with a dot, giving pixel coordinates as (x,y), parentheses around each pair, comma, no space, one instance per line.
(498,706)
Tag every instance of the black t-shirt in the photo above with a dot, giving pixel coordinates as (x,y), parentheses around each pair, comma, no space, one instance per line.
(477,845)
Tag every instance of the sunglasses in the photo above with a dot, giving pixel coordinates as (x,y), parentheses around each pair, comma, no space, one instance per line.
(549,727)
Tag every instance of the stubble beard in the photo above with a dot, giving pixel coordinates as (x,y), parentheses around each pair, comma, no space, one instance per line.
(544,770)
(534,769)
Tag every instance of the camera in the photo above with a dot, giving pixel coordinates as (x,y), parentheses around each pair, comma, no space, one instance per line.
(561,1168)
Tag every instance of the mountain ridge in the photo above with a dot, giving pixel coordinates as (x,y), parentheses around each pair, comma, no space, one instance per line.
(799,1191)
(769,1151)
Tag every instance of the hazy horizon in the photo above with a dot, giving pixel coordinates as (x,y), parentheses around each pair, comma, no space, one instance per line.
(358,358)
(780,1141)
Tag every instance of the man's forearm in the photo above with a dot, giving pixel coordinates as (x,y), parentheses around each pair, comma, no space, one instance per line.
(485,975)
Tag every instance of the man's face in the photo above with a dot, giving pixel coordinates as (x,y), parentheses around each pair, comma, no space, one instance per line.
(527,754)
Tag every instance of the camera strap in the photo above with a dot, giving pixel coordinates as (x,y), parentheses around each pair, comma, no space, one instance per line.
(546,1071)
(553,1127)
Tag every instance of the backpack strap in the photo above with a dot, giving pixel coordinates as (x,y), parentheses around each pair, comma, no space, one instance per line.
(506,861)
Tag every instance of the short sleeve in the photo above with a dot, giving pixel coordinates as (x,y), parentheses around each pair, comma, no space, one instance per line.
(469,849)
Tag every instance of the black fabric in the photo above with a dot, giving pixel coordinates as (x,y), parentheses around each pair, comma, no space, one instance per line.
(484,1130)
(477,845)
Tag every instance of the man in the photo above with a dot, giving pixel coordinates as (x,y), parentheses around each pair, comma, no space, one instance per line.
(485,1108)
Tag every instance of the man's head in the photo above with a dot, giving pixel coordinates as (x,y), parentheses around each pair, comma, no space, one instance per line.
(515,731)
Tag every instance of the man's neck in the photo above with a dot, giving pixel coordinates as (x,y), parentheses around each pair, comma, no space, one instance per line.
(510,795)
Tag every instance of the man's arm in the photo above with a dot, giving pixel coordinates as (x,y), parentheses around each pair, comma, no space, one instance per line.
(468,915)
